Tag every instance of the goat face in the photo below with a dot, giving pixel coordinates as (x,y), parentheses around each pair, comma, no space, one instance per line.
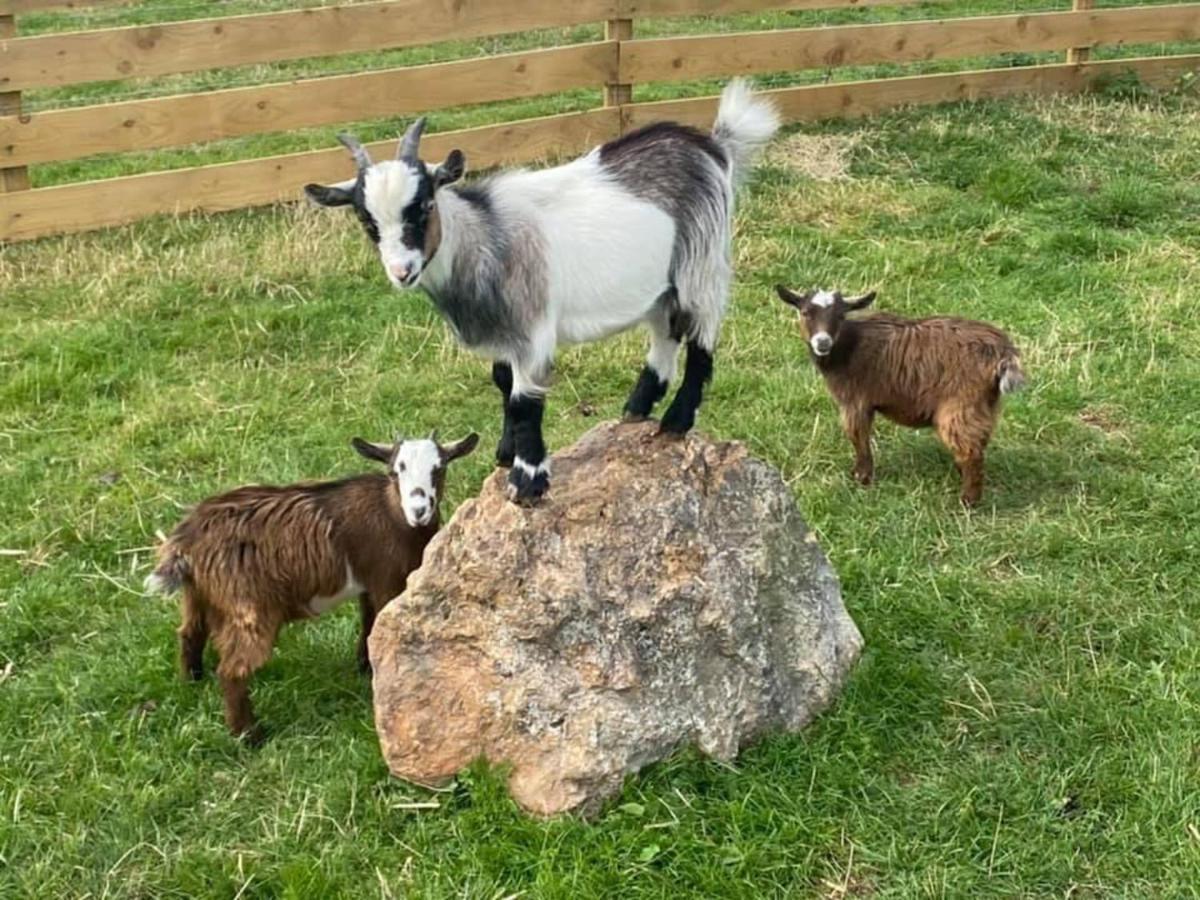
(822,314)
(418,471)
(396,201)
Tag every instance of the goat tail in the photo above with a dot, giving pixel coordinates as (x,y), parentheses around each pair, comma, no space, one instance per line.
(745,123)
(1009,377)
(171,573)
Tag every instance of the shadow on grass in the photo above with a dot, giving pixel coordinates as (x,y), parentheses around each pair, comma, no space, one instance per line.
(1015,478)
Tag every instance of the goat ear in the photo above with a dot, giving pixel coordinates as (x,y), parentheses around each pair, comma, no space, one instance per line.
(377,452)
(451,170)
(861,302)
(791,298)
(460,448)
(330,195)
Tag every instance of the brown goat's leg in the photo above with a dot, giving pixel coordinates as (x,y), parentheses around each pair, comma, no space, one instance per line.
(243,651)
(857,425)
(971,467)
(193,635)
(367,608)
(239,714)
(965,432)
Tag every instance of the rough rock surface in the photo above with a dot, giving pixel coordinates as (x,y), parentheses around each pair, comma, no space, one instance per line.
(666,592)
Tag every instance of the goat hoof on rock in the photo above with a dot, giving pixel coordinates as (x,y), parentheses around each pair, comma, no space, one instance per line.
(675,424)
(526,488)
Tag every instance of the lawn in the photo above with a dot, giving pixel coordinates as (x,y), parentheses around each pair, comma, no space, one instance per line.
(1025,717)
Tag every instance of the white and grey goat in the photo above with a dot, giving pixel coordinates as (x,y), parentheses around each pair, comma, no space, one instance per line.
(636,231)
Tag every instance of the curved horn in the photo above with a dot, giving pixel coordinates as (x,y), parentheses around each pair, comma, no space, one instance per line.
(410,143)
(361,157)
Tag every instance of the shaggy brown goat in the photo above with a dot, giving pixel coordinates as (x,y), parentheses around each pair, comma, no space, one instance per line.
(252,559)
(941,371)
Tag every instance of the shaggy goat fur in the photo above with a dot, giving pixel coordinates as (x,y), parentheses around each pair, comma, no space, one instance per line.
(943,372)
(250,560)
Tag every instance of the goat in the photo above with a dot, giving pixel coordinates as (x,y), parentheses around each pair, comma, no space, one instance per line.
(942,371)
(254,558)
(636,231)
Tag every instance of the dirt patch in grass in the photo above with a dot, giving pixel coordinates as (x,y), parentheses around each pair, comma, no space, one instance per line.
(1105,419)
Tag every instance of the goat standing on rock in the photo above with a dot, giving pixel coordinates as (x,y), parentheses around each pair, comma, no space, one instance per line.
(636,231)
(946,372)
(252,559)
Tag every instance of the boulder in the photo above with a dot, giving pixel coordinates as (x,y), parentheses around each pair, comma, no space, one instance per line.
(665,593)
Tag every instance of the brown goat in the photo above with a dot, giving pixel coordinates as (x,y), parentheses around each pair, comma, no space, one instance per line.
(254,558)
(946,372)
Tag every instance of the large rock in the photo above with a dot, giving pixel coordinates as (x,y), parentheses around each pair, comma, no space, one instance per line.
(665,593)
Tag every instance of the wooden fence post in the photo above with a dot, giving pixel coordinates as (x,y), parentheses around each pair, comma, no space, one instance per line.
(618,94)
(1077,55)
(17,178)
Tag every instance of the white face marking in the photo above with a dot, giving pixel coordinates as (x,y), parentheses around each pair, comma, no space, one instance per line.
(415,466)
(821,343)
(388,188)
(822,298)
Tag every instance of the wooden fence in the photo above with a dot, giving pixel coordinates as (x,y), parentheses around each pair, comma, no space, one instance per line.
(615,64)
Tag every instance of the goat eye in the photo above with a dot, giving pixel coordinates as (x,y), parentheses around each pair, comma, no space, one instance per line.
(401,467)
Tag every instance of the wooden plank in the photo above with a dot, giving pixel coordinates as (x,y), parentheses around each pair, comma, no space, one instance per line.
(648,9)
(98,204)
(1079,54)
(12,178)
(20,7)
(142,51)
(628,8)
(858,98)
(191,118)
(690,58)
(615,93)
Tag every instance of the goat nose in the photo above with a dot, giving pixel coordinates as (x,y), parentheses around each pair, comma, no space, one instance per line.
(400,270)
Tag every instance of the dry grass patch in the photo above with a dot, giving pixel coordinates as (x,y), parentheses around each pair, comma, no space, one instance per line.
(821,157)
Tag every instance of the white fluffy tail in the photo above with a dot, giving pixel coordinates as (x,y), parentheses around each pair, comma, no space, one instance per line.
(745,122)
(169,575)
(1011,378)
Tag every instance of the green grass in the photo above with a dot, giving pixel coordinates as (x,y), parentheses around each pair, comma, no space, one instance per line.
(1023,722)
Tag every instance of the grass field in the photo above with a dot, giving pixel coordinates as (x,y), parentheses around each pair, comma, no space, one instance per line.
(1025,718)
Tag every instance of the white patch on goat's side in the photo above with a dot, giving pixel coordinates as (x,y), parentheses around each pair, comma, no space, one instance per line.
(351,588)
(415,465)
(388,188)
(821,343)
(605,270)
(822,298)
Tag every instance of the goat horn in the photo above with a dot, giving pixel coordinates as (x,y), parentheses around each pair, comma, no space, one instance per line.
(433,435)
(411,141)
(361,157)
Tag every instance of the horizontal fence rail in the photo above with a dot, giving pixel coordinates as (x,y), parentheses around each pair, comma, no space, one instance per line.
(55,60)
(614,66)
(859,98)
(192,118)
(256,182)
(691,58)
